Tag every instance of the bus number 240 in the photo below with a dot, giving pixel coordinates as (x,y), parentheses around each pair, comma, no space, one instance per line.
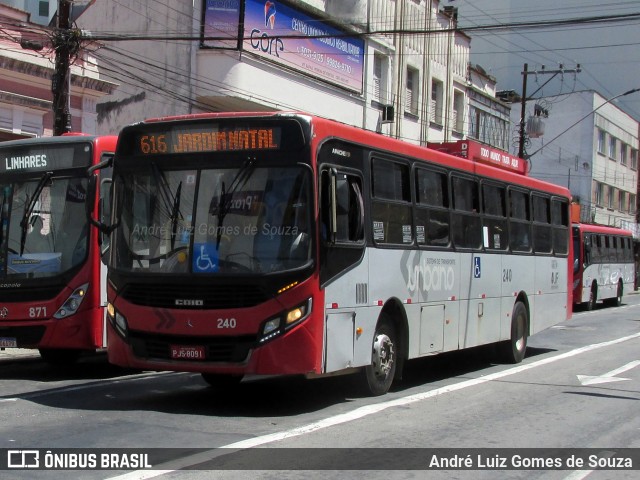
(507,275)
(227,323)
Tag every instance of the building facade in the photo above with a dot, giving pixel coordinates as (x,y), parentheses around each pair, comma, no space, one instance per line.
(26,68)
(40,11)
(392,66)
(591,146)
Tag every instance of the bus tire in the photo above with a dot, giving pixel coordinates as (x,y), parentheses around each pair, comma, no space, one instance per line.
(514,349)
(593,297)
(222,381)
(378,376)
(617,300)
(60,356)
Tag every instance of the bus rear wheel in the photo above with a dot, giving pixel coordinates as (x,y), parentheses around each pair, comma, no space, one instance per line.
(617,300)
(378,376)
(593,297)
(514,349)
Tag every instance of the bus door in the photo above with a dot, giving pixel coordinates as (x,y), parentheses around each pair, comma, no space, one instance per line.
(344,274)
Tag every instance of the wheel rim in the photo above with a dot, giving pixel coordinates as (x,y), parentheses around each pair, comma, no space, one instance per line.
(383,355)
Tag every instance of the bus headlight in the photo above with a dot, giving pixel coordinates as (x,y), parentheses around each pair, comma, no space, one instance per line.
(117,320)
(275,326)
(71,305)
(297,314)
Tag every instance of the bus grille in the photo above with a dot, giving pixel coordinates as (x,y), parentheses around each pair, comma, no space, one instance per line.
(204,297)
(218,349)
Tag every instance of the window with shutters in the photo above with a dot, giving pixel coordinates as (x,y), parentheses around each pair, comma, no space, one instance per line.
(412,92)
(436,102)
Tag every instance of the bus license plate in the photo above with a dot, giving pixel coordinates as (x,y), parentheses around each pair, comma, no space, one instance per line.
(187,352)
(8,342)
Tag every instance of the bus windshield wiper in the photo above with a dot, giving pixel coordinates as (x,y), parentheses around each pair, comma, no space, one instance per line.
(224,205)
(31,204)
(175,214)
(171,202)
(165,190)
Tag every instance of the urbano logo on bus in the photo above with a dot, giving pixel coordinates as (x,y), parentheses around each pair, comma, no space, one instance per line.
(214,141)
(430,274)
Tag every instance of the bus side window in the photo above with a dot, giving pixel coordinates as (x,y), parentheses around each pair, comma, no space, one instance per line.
(466,226)
(560,225)
(542,235)
(587,250)
(391,210)
(432,210)
(495,213)
(519,216)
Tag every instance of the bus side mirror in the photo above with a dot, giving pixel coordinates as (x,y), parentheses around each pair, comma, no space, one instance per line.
(104,228)
(104,213)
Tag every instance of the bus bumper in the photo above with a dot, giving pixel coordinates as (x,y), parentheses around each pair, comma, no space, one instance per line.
(73,332)
(294,353)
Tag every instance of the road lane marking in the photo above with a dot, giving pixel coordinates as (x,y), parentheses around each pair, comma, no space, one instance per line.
(356,414)
(609,376)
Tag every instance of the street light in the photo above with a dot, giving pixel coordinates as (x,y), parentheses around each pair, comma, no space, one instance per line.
(588,114)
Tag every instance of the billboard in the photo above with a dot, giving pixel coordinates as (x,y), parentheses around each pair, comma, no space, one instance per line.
(288,37)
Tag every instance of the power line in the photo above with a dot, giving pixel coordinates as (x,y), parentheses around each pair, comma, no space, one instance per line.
(505,26)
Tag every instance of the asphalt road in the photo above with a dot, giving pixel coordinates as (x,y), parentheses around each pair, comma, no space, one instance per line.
(576,389)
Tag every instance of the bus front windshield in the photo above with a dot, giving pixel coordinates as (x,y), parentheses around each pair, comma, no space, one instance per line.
(218,221)
(43,228)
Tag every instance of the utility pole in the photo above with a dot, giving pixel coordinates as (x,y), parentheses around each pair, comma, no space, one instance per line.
(62,74)
(523,107)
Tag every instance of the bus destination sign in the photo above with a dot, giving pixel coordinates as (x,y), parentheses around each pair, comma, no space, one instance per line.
(208,140)
(40,158)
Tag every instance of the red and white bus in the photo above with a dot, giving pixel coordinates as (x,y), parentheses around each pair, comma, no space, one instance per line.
(282,243)
(51,277)
(603,266)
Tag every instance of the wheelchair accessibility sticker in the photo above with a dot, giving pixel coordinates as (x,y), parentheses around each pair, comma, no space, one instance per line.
(205,258)
(477,269)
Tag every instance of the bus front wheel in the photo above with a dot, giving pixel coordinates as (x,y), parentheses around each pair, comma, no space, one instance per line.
(513,350)
(378,376)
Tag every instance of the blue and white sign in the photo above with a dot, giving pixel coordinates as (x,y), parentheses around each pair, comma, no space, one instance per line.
(205,258)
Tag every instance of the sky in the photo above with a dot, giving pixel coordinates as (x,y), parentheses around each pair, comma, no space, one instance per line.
(608,54)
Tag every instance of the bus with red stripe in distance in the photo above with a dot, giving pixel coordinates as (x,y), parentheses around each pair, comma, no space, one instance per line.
(603,267)
(52,282)
(287,244)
